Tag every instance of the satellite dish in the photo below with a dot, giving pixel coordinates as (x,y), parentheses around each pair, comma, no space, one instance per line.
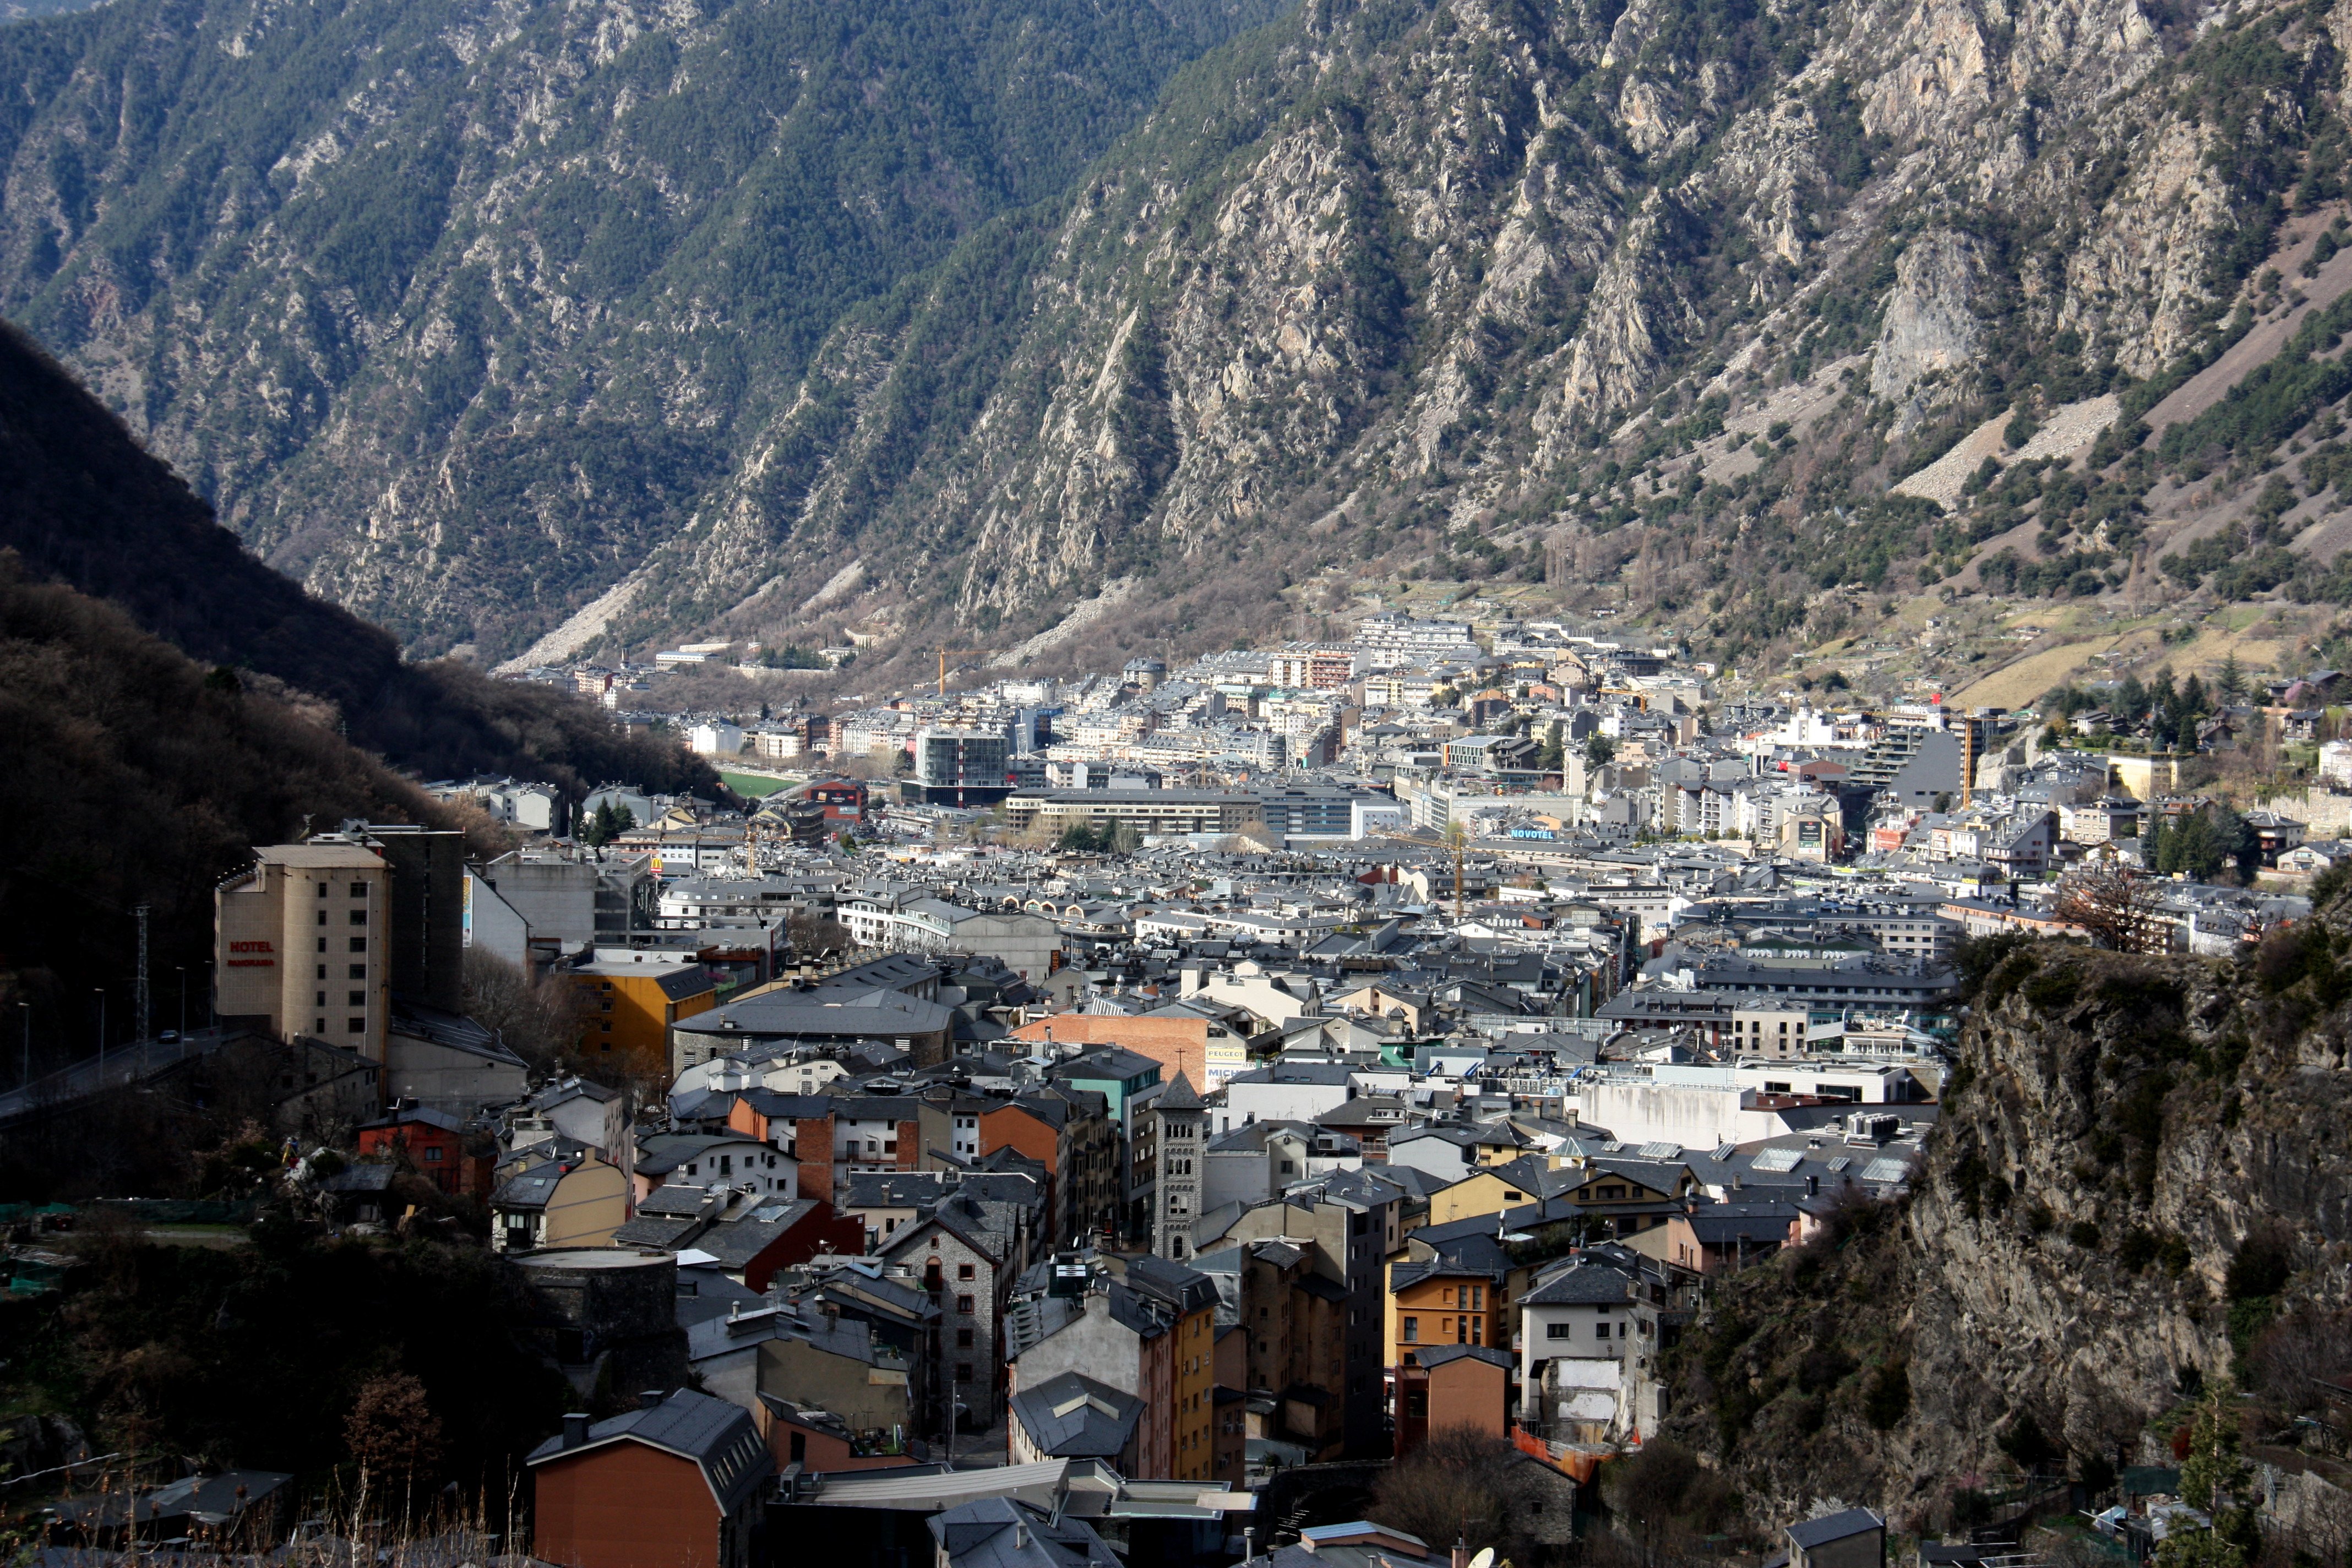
(1485,1558)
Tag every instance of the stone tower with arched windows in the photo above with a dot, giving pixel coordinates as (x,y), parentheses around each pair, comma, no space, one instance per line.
(1179,1129)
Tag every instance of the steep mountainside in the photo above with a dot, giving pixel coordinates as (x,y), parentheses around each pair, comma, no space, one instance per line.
(2142,1183)
(1671,294)
(88,507)
(137,776)
(457,309)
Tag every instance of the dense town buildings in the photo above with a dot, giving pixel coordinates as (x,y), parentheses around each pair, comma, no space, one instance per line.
(1200,1070)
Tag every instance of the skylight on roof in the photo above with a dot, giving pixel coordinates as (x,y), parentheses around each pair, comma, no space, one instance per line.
(1778,1160)
(1725,1151)
(1841,1162)
(1885,1170)
(1660,1150)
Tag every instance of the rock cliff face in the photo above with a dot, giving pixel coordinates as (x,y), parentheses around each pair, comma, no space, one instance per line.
(2120,1133)
(539,305)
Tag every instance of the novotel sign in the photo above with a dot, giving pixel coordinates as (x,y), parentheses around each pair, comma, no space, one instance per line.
(249,949)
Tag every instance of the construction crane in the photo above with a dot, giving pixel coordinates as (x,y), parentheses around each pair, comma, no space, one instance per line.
(948,653)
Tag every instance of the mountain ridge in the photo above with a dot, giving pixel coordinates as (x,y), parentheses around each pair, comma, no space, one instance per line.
(451,307)
(1372,293)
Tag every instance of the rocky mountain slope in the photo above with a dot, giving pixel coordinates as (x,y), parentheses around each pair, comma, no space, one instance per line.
(2142,1183)
(456,310)
(89,508)
(1682,300)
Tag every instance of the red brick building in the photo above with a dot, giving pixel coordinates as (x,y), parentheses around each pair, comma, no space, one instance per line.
(434,1143)
(674,1485)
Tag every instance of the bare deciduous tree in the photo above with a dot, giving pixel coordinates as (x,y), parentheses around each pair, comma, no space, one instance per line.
(2116,906)
(1462,1485)
(539,1020)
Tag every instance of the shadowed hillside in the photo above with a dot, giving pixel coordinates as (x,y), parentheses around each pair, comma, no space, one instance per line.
(87,507)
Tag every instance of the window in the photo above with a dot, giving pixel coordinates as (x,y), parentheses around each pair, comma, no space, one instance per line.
(359,972)
(964,1271)
(358,998)
(322,947)
(1557,1331)
(359,917)
(321,1002)
(432,1155)
(964,1305)
(964,1338)
(359,1025)
(1416,1403)
(322,972)
(963,1372)
(1412,1330)
(1601,1331)
(359,889)
(318,1025)
(359,944)
(323,917)
(1462,1330)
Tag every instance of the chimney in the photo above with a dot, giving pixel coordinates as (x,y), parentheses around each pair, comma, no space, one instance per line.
(575,1428)
(1813,1186)
(648,1398)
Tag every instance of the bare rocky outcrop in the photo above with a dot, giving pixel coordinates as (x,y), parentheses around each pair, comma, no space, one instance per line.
(2118,1130)
(1928,326)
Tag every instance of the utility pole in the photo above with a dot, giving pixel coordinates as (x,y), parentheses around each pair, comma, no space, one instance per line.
(139,1014)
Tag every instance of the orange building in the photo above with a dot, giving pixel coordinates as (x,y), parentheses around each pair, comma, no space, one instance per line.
(1441,1302)
(1456,1385)
(630,1003)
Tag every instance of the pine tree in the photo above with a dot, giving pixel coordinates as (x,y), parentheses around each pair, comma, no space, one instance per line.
(2232,682)
(2216,1481)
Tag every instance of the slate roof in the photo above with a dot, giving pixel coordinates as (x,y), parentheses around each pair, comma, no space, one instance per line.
(1813,1533)
(1720,1225)
(1438,1355)
(980,1534)
(736,1242)
(716,1436)
(1177,1096)
(1578,1284)
(1072,1416)
(528,1190)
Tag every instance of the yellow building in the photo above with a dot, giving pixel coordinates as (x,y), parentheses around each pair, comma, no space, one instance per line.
(560,1204)
(1629,1191)
(300,940)
(630,1002)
